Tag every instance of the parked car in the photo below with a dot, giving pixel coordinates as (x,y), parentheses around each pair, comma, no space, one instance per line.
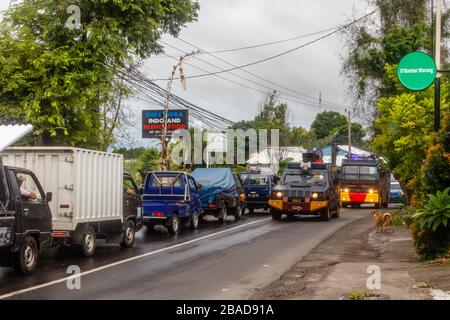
(169,199)
(396,192)
(222,192)
(88,197)
(258,189)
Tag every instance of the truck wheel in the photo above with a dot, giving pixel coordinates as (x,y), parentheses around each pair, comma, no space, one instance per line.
(129,235)
(251,211)
(88,243)
(338,211)
(223,214)
(325,214)
(195,220)
(174,227)
(25,261)
(276,215)
(238,213)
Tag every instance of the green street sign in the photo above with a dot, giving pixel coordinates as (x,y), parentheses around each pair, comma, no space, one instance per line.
(416,71)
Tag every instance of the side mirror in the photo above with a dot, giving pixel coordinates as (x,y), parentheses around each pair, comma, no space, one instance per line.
(200,187)
(48,196)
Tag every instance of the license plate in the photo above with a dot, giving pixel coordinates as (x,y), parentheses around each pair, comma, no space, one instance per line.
(297,208)
(254,195)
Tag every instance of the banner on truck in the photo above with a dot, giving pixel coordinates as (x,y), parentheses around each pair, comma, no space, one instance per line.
(153,122)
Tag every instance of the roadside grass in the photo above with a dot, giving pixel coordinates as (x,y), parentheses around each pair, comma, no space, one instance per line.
(403,216)
(362,295)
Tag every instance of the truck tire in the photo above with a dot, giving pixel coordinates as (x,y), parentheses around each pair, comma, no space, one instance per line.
(174,227)
(195,218)
(325,214)
(238,212)
(25,261)
(338,211)
(223,213)
(251,211)
(88,243)
(129,235)
(276,215)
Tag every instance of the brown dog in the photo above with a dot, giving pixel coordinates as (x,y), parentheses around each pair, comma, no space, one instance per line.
(383,221)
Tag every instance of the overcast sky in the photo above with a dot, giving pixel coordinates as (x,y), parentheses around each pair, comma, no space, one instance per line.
(226,24)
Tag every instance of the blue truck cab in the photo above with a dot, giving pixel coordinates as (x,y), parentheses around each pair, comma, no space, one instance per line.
(258,189)
(169,199)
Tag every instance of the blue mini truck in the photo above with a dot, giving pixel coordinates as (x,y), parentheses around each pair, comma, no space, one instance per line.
(169,199)
(222,192)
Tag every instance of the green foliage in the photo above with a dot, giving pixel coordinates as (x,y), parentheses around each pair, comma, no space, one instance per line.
(362,295)
(402,28)
(139,160)
(404,216)
(430,245)
(430,227)
(283,164)
(302,137)
(59,79)
(436,212)
(327,122)
(404,129)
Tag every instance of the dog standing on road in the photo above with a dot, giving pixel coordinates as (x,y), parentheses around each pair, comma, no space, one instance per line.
(383,221)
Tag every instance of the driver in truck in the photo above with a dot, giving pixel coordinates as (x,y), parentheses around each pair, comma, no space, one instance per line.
(24,192)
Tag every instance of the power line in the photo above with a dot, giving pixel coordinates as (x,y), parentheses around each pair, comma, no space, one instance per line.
(303,102)
(303,95)
(282,53)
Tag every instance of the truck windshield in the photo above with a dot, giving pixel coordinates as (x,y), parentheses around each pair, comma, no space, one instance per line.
(257,180)
(360,173)
(303,178)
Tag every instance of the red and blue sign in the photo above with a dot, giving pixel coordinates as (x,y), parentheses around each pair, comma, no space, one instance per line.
(153,122)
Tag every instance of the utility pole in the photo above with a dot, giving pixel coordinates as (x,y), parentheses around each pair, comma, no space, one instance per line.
(320,101)
(164,164)
(349,120)
(437,83)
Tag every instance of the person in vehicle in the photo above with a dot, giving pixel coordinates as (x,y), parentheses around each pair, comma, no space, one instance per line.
(28,195)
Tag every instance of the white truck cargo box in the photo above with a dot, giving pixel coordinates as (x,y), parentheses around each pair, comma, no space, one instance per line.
(86,184)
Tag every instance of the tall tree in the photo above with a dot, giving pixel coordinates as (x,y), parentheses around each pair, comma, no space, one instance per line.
(327,122)
(399,28)
(62,79)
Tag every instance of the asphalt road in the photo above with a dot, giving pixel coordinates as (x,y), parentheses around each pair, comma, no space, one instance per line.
(218,261)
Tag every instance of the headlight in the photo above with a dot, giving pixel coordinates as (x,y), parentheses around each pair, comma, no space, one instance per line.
(346,190)
(315,195)
(372,191)
(278,194)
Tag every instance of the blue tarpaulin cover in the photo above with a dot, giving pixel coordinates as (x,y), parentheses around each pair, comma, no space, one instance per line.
(215,181)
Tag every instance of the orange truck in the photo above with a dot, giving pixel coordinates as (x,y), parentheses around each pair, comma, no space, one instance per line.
(363,180)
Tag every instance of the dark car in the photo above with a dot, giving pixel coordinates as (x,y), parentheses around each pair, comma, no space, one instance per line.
(222,192)
(258,188)
(311,189)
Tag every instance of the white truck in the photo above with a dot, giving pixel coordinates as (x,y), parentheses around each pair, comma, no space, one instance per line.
(87,193)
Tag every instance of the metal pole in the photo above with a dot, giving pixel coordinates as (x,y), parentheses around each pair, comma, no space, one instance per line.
(349,134)
(437,83)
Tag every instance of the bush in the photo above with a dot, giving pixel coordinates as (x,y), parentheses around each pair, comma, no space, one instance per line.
(404,216)
(431,228)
